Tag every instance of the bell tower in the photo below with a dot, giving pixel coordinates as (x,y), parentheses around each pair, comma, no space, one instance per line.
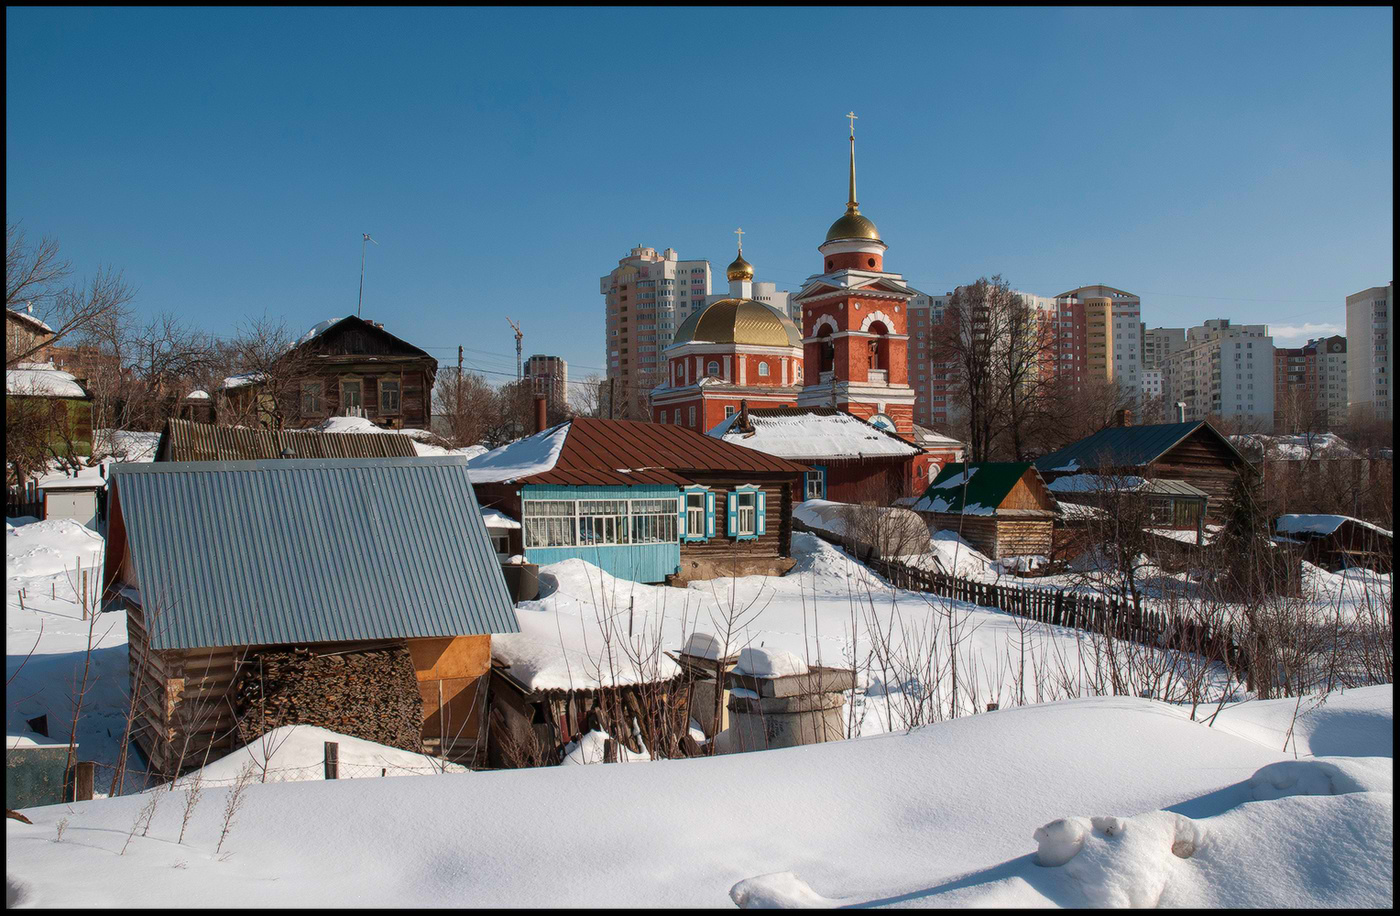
(855,323)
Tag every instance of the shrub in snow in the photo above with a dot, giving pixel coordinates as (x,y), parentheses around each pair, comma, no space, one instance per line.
(769,663)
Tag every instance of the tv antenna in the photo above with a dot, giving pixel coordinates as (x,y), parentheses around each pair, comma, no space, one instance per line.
(361,302)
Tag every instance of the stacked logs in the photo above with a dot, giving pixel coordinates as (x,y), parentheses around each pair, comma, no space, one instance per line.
(371,694)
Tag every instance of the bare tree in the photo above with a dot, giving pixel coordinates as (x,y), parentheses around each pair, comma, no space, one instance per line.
(34,275)
(585,397)
(466,402)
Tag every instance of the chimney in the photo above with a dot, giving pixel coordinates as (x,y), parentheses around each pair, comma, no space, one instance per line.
(743,421)
(1125,418)
(541,413)
(1181,411)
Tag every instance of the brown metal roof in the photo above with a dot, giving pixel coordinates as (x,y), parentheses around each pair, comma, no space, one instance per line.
(185,440)
(623,452)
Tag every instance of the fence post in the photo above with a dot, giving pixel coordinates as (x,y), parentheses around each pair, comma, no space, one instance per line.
(332,760)
(82,780)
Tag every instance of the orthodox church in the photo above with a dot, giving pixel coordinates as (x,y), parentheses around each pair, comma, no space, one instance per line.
(741,357)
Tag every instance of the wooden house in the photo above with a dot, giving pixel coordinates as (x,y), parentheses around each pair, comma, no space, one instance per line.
(54,400)
(1193,453)
(648,502)
(358,595)
(850,460)
(184,440)
(1002,508)
(1339,542)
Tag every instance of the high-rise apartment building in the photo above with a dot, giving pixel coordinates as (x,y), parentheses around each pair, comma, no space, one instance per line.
(1310,385)
(1224,371)
(1159,343)
(647,297)
(1370,341)
(1098,333)
(549,376)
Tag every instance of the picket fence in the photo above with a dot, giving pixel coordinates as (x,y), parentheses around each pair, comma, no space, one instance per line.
(1096,613)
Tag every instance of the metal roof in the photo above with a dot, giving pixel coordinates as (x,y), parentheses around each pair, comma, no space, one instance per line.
(186,440)
(277,552)
(815,433)
(614,453)
(985,487)
(1126,447)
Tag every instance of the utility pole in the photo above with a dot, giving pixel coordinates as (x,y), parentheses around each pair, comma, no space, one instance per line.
(459,380)
(833,384)
(612,387)
(518,336)
(361,301)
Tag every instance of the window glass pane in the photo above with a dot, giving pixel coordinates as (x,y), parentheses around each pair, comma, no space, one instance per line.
(653,521)
(350,395)
(549,522)
(389,396)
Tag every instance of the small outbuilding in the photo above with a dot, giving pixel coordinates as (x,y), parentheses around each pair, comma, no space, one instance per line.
(1339,541)
(358,595)
(1002,508)
(72,497)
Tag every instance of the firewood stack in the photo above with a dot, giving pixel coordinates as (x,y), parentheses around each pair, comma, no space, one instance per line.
(371,694)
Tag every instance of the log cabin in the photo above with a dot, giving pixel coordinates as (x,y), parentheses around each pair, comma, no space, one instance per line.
(1002,508)
(1194,453)
(358,595)
(648,502)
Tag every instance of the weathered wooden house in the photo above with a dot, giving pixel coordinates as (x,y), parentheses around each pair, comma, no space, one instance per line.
(1002,508)
(649,502)
(850,460)
(185,440)
(54,400)
(1193,453)
(1339,542)
(357,595)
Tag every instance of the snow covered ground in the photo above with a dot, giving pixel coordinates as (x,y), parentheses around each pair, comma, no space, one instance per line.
(945,815)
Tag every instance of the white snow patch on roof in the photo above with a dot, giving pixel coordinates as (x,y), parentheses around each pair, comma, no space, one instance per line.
(27,315)
(199,394)
(1320,524)
(495,518)
(814,436)
(531,455)
(242,380)
(1094,483)
(956,480)
(317,330)
(42,380)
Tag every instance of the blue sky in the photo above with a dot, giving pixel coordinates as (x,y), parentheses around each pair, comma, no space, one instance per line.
(1219,163)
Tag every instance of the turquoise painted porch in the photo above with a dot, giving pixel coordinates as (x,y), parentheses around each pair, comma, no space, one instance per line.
(635,562)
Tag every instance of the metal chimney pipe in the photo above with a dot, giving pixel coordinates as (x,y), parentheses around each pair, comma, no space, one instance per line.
(541,413)
(1181,411)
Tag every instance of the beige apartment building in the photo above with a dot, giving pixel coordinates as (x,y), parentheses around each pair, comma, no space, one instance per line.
(1370,341)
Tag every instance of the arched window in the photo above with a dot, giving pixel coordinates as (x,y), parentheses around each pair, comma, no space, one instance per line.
(680,373)
(712,370)
(763,370)
(828,349)
(879,346)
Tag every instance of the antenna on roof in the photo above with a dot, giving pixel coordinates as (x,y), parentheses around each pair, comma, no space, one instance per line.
(361,301)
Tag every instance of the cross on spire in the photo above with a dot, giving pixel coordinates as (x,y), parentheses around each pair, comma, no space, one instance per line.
(740,233)
(851,205)
(853,118)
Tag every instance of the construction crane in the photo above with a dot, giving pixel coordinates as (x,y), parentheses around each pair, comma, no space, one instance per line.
(518,337)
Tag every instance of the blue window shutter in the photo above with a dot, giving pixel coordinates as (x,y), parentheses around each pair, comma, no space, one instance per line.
(680,517)
(759,525)
(709,513)
(732,503)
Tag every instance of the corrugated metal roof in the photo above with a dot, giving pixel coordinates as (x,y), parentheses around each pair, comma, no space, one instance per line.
(625,452)
(186,440)
(803,433)
(1125,447)
(980,492)
(276,552)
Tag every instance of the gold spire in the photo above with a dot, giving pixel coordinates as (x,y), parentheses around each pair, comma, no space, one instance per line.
(851,205)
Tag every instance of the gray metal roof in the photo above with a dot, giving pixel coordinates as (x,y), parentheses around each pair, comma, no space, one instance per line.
(1125,447)
(233,553)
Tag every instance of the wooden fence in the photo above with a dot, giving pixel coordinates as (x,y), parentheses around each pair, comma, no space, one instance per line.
(1095,613)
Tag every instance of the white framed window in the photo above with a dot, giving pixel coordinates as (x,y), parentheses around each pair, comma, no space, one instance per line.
(602,521)
(312,404)
(692,417)
(728,411)
(351,393)
(746,502)
(712,369)
(653,521)
(695,514)
(388,396)
(763,369)
(550,522)
(501,541)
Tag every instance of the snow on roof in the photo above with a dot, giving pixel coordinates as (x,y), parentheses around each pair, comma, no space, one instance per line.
(317,330)
(788,433)
(1094,483)
(1295,447)
(834,517)
(42,380)
(956,480)
(27,315)
(531,455)
(495,518)
(761,662)
(243,379)
(1320,524)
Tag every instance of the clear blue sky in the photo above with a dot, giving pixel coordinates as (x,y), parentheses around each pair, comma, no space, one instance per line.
(1220,163)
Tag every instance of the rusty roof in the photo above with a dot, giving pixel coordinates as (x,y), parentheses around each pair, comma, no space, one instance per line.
(186,440)
(614,453)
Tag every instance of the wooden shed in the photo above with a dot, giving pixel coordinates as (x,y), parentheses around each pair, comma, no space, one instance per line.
(1002,508)
(1339,542)
(1193,453)
(358,595)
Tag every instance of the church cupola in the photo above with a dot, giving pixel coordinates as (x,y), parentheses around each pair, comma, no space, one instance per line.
(852,242)
(740,272)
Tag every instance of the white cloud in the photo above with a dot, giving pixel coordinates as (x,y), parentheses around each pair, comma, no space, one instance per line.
(1293,335)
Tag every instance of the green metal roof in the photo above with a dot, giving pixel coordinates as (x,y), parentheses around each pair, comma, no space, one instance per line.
(972,489)
(1124,447)
(233,553)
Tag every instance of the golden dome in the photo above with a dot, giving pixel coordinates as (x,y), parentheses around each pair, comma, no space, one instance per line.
(852,226)
(739,269)
(739,321)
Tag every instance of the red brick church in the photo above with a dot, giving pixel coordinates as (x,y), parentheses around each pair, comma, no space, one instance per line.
(851,353)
